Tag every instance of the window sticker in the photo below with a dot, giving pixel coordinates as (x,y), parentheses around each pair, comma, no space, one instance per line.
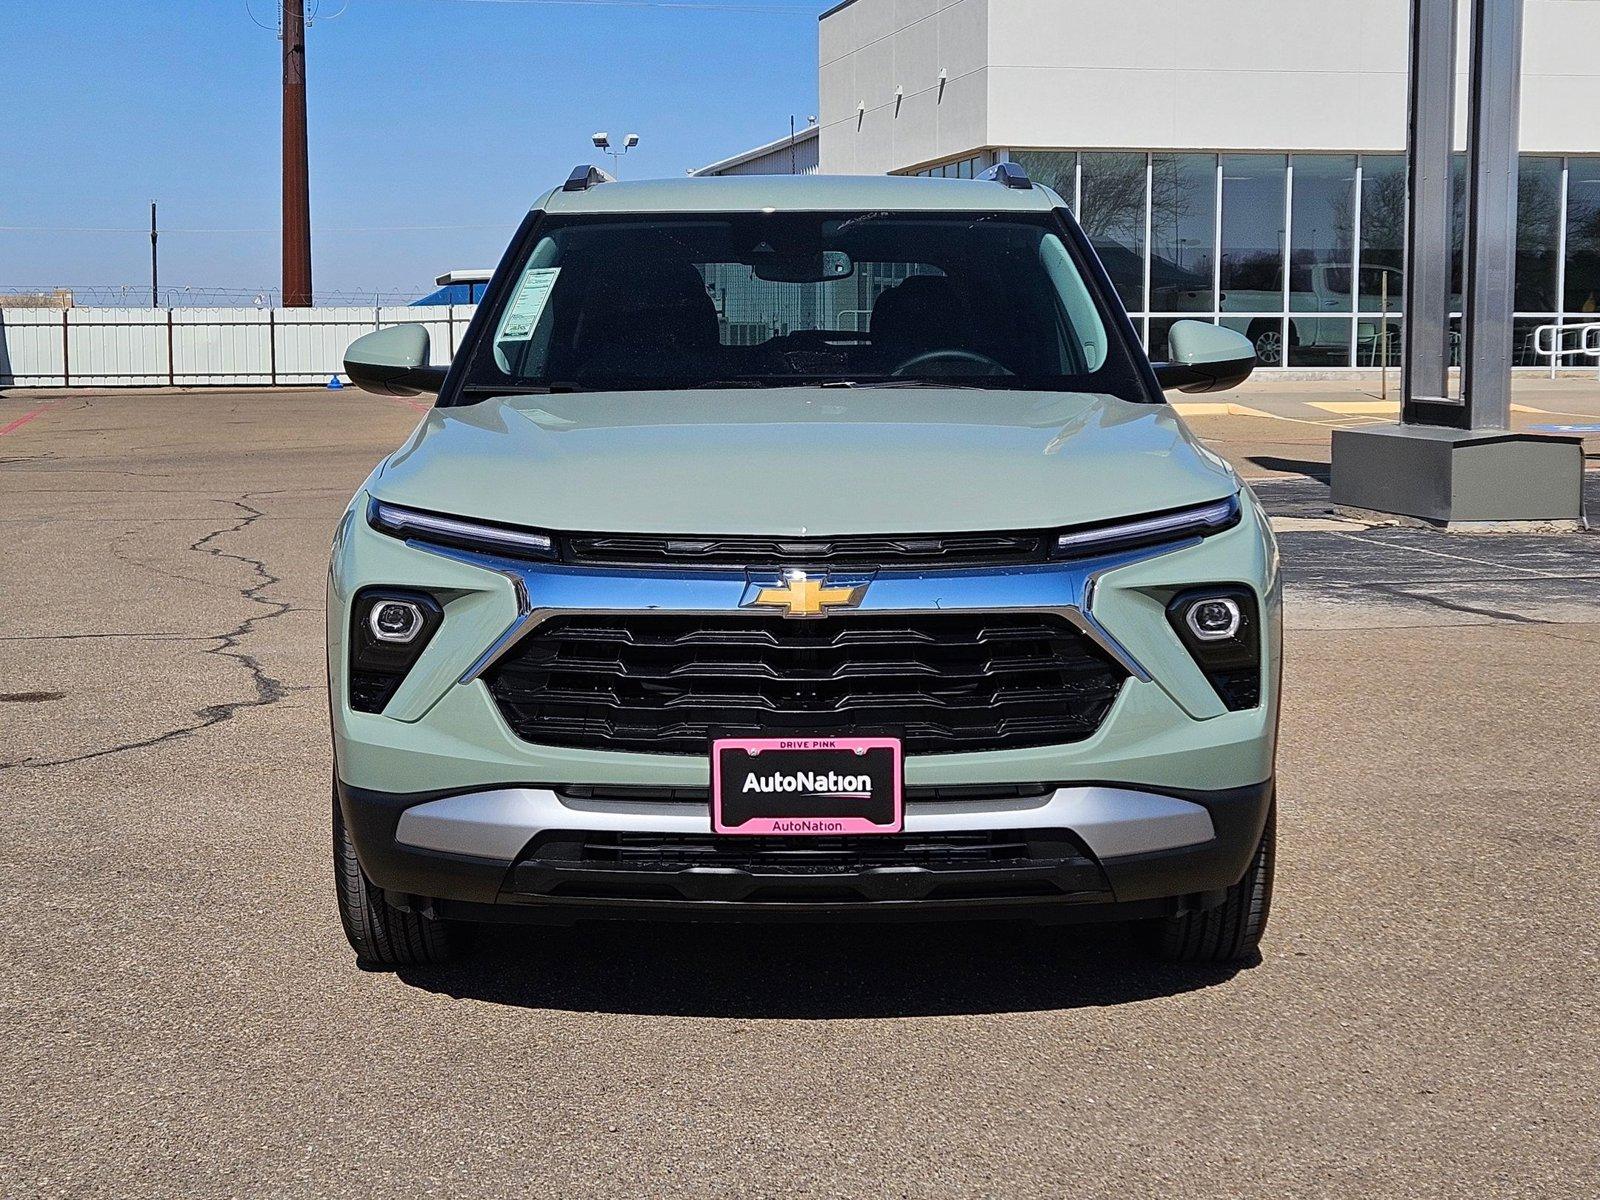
(533,293)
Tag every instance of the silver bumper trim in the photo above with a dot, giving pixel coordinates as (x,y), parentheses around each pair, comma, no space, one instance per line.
(498,823)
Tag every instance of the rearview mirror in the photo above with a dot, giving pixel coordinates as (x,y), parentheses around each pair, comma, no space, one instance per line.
(393,362)
(824,266)
(1205,358)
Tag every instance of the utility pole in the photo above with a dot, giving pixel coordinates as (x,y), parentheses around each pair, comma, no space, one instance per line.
(155,301)
(296,168)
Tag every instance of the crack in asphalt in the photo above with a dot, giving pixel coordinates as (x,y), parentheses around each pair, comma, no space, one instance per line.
(115,547)
(1398,592)
(268,688)
(77,637)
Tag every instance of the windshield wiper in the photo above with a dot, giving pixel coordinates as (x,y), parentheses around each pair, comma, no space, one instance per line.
(912,381)
(761,381)
(519,389)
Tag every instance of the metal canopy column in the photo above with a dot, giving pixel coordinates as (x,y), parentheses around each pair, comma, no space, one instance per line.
(1492,212)
(1430,121)
(1455,463)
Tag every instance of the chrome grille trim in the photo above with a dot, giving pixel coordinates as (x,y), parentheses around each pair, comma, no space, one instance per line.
(546,590)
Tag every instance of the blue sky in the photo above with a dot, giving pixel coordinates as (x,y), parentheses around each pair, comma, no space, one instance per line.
(422,113)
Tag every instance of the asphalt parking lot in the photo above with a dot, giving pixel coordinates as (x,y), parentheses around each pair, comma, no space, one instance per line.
(180,1016)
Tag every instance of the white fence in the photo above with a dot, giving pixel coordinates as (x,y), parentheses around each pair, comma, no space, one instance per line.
(162,347)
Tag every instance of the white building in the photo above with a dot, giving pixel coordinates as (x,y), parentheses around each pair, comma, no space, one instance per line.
(793,154)
(1238,159)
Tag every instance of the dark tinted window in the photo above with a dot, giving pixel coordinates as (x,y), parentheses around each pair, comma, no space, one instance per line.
(770,299)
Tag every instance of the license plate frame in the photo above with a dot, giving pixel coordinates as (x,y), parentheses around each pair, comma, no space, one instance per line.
(772,807)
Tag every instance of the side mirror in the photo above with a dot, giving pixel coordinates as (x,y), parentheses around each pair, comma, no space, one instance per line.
(393,362)
(1205,358)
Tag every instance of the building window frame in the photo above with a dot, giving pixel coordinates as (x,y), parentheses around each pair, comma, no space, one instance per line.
(1356,313)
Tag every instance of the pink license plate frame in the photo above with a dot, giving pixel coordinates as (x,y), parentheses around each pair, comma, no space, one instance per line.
(847,760)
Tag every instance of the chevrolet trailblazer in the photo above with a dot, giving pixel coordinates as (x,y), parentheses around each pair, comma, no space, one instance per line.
(808,548)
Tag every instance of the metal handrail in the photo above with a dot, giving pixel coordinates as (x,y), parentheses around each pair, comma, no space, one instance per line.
(1554,345)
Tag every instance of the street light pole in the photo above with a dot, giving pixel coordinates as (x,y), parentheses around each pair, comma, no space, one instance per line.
(602,141)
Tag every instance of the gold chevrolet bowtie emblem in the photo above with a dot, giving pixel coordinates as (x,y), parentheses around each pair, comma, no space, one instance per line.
(801,595)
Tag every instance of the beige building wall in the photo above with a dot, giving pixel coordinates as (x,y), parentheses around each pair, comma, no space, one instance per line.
(1161,74)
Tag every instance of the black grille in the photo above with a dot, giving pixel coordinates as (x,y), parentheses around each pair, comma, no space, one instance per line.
(941,682)
(371,690)
(986,866)
(804,855)
(910,550)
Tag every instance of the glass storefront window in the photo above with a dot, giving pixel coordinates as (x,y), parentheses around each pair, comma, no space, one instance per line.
(1113,216)
(1524,346)
(1319,341)
(1252,231)
(1583,236)
(1288,259)
(1383,232)
(1322,234)
(1375,343)
(1183,231)
(1054,169)
(1538,233)
(1458,230)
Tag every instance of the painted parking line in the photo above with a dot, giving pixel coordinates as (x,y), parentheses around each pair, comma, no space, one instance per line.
(25,418)
(1590,427)
(1217,408)
(1373,408)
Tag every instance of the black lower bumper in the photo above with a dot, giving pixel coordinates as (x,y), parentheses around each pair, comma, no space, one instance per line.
(1041,874)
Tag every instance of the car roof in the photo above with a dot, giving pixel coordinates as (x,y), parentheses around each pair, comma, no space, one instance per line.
(799,193)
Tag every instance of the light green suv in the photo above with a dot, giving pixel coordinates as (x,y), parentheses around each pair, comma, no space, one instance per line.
(802,548)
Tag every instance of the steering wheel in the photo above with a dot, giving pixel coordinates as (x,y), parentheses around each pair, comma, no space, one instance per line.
(977,364)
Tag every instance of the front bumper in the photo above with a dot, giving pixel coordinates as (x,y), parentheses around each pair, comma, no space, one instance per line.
(524,853)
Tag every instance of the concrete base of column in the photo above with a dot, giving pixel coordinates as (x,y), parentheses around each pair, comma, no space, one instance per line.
(1460,479)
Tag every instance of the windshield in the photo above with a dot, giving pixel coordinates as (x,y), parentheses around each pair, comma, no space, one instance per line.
(788,299)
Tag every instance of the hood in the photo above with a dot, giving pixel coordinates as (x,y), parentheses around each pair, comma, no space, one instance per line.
(802,461)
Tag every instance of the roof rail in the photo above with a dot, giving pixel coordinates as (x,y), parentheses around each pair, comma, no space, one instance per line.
(1008,173)
(584,176)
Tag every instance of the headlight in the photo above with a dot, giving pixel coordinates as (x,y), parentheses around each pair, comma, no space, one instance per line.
(1195,521)
(438,529)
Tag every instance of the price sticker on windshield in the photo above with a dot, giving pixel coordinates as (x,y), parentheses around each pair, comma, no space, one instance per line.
(526,307)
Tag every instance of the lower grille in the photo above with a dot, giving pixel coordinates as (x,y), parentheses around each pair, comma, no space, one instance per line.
(988,865)
(669,684)
(676,852)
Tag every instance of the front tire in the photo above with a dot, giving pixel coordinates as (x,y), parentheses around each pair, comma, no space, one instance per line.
(382,935)
(1232,931)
